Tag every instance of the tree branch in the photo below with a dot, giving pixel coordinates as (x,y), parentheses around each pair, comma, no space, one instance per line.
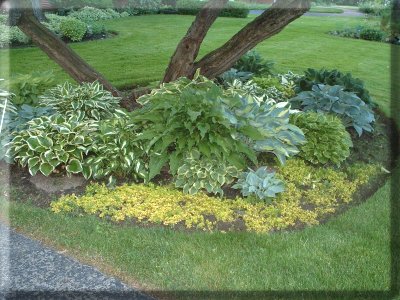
(60,52)
(269,23)
(186,52)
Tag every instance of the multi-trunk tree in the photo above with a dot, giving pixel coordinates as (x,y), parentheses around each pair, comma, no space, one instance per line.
(184,61)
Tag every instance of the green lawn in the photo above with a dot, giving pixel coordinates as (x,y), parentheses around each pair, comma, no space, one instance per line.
(348,253)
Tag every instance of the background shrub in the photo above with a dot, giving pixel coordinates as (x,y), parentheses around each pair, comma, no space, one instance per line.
(327,140)
(254,63)
(90,15)
(73,29)
(231,9)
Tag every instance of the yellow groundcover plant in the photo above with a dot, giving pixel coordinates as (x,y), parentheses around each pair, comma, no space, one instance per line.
(310,194)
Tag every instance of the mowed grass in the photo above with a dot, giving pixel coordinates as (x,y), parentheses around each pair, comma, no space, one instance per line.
(351,252)
(141,51)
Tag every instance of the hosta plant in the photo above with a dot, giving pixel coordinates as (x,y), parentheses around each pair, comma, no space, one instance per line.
(199,173)
(88,101)
(115,153)
(261,183)
(254,63)
(333,77)
(26,113)
(27,88)
(232,74)
(277,88)
(327,138)
(187,114)
(52,144)
(268,127)
(333,99)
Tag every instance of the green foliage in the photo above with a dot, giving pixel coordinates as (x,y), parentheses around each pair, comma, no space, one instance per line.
(53,23)
(231,9)
(333,77)
(141,7)
(4,36)
(52,144)
(261,183)
(277,88)
(267,125)
(199,173)
(333,99)
(115,153)
(26,113)
(90,15)
(88,101)
(362,32)
(17,37)
(185,114)
(28,87)
(327,138)
(96,29)
(232,74)
(254,63)
(73,29)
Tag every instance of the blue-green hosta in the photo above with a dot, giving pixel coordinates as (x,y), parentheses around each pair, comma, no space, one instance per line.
(261,183)
(333,99)
(88,101)
(52,144)
(199,173)
(268,126)
(115,153)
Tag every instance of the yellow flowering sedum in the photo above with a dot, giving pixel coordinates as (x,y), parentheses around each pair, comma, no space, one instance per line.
(310,194)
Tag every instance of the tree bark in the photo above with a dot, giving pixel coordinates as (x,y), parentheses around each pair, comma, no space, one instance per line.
(186,52)
(269,23)
(60,52)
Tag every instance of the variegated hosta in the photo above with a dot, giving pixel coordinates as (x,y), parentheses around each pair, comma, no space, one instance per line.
(199,173)
(269,128)
(115,153)
(88,101)
(52,144)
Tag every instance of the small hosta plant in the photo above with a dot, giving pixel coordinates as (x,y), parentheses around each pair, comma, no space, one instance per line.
(88,101)
(327,138)
(261,183)
(333,99)
(52,144)
(199,173)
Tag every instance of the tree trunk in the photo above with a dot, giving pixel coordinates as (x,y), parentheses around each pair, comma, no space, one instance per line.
(186,52)
(271,22)
(60,52)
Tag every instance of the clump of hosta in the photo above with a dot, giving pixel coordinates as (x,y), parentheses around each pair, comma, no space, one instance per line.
(88,101)
(277,88)
(348,106)
(52,144)
(267,125)
(261,183)
(327,138)
(115,153)
(199,173)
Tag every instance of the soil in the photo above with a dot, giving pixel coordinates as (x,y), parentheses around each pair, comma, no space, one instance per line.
(381,146)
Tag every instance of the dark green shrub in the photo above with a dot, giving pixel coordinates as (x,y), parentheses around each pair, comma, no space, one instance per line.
(333,99)
(28,87)
(372,34)
(327,140)
(312,77)
(73,29)
(231,9)
(95,29)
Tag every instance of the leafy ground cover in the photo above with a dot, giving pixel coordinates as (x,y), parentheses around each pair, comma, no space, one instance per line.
(315,183)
